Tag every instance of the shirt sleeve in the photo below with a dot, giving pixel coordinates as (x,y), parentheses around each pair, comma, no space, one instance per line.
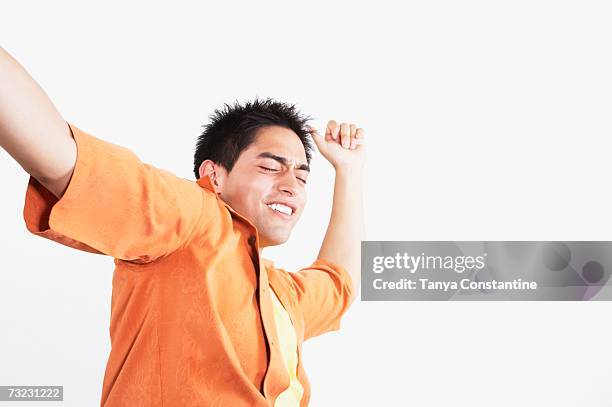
(116,205)
(324,292)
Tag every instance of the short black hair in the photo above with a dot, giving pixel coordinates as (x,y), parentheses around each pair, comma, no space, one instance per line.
(233,128)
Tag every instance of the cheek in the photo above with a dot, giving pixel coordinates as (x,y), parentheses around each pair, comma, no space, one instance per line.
(253,193)
(260,186)
(304,198)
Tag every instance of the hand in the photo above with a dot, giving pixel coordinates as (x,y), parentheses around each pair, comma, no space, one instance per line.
(343,145)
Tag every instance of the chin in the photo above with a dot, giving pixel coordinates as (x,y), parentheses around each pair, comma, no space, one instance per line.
(276,241)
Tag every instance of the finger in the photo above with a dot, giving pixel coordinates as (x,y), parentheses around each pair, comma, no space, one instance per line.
(332,128)
(345,135)
(317,138)
(359,139)
(353,132)
(360,136)
(311,130)
(327,133)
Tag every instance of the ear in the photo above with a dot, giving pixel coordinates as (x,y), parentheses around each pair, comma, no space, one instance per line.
(216,173)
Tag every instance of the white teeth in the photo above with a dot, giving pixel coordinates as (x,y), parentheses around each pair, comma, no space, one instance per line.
(281,208)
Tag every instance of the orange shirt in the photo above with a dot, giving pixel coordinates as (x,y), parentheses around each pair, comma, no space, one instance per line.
(192,323)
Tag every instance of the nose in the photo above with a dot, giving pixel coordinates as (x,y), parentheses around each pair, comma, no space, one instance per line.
(289,184)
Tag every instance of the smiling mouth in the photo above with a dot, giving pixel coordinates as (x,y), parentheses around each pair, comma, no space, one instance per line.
(281,210)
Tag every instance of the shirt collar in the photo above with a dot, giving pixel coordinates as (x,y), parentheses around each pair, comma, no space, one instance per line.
(268,263)
(206,182)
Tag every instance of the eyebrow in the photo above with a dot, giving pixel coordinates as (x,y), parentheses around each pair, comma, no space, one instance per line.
(282,160)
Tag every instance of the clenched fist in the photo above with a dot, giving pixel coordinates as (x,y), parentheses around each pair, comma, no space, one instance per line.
(343,145)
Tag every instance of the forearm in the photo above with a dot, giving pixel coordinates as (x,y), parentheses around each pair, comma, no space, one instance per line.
(32,131)
(342,242)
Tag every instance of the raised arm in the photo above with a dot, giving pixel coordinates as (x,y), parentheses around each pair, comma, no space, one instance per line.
(32,131)
(343,146)
(90,194)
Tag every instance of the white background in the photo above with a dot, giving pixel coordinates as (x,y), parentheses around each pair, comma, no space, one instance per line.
(485,120)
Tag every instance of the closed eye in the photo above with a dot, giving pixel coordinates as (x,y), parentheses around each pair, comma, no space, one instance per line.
(274,170)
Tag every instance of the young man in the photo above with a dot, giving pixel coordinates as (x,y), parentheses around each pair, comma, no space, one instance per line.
(198,318)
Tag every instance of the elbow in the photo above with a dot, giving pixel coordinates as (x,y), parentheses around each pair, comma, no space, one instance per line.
(56,185)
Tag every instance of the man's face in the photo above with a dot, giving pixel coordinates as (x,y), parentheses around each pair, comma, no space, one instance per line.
(268,179)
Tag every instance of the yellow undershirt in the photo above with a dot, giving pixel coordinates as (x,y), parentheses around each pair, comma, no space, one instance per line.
(287,340)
